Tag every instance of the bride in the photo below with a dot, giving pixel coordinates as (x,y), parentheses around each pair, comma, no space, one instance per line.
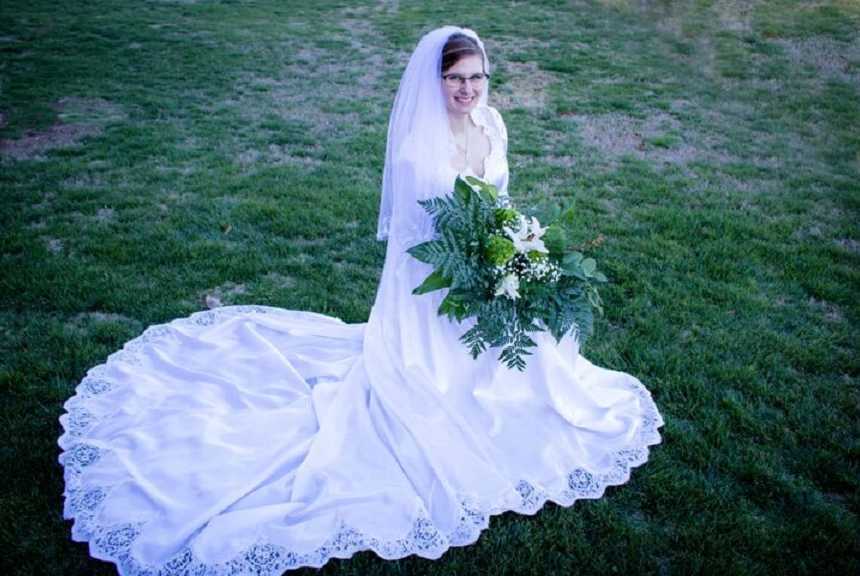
(253,440)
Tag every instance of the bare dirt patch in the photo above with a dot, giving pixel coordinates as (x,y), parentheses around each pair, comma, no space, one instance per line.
(77,118)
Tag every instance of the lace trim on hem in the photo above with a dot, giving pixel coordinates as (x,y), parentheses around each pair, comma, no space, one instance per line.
(113,543)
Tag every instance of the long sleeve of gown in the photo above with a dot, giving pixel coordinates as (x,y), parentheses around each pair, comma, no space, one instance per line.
(410,224)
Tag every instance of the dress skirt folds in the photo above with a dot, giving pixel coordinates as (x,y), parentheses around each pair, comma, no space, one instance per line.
(252,439)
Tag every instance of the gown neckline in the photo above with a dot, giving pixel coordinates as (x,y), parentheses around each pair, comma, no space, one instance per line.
(468,171)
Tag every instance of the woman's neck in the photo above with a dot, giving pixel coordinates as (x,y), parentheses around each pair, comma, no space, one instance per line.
(457,122)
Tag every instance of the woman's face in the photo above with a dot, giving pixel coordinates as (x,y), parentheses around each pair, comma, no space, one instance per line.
(462,96)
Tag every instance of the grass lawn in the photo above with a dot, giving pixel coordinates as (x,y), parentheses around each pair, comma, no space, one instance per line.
(155,154)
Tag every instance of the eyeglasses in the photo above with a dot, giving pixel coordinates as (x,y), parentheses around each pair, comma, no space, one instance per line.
(457,80)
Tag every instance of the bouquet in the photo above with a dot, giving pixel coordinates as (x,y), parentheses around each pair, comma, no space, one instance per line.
(514,276)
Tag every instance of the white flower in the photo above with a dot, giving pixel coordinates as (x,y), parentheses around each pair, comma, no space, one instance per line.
(527,236)
(536,229)
(509,286)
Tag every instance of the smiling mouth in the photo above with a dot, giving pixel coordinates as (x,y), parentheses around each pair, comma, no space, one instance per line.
(464,100)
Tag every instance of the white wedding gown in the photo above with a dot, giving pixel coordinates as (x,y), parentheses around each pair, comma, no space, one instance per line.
(252,440)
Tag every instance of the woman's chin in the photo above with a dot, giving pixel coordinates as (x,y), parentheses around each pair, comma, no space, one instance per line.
(461,107)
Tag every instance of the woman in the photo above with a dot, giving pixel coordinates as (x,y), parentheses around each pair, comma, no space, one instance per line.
(251,439)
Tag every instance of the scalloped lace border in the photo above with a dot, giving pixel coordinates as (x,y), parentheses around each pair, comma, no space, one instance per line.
(113,543)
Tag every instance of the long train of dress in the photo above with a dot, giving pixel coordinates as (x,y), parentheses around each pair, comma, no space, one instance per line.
(252,439)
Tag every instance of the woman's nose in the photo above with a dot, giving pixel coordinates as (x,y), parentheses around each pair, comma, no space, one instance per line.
(466,86)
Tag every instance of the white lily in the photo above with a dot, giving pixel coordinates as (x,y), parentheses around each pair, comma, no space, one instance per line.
(536,228)
(526,237)
(509,286)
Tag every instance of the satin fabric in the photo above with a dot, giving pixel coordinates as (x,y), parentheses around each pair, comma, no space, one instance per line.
(252,439)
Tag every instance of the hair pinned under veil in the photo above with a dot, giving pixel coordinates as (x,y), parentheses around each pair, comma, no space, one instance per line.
(418,133)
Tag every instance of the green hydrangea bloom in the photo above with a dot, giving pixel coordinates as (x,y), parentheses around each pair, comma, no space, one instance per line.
(499,250)
(537,256)
(505,216)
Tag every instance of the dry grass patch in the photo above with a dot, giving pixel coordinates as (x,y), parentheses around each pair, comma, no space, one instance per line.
(527,84)
(658,138)
(82,322)
(279,281)
(735,15)
(831,312)
(105,215)
(831,59)
(83,181)
(222,295)
(278,155)
(363,38)
(849,244)
(77,118)
(45,203)
(313,72)
(32,144)
(527,87)
(55,245)
(301,242)
(289,96)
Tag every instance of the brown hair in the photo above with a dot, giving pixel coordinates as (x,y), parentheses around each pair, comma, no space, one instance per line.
(459,46)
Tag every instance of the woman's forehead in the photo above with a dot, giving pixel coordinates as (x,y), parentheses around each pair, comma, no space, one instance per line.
(467,65)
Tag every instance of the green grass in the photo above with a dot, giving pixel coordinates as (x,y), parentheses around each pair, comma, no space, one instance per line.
(235,148)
